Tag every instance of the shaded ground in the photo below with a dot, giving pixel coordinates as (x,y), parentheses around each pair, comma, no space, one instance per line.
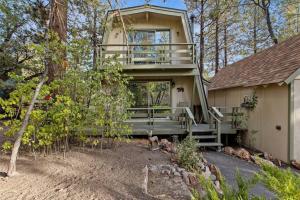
(229,164)
(112,174)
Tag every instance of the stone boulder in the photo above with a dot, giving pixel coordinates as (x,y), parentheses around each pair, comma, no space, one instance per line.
(243,154)
(229,150)
(216,171)
(295,164)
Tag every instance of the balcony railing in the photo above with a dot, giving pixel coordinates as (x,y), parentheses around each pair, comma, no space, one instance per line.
(175,53)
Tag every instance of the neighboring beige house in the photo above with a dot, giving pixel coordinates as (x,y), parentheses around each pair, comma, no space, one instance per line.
(273,76)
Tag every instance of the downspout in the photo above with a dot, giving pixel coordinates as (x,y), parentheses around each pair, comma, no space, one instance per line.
(291,153)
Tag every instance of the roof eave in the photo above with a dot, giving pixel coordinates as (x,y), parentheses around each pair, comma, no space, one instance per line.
(292,76)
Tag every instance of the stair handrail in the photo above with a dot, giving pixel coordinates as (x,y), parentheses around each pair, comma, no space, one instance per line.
(213,112)
(190,115)
(189,121)
(218,113)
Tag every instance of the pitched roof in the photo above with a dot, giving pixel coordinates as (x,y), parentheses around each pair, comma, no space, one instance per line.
(272,65)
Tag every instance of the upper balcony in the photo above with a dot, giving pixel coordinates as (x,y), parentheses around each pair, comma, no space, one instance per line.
(152,56)
(154,38)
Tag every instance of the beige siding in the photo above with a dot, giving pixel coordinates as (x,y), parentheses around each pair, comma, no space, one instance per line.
(295,140)
(271,111)
(154,22)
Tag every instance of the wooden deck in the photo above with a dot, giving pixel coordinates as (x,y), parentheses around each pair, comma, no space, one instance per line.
(177,129)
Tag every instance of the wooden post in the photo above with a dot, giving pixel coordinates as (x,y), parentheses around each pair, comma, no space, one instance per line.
(193,53)
(190,128)
(193,95)
(219,134)
(100,56)
(127,55)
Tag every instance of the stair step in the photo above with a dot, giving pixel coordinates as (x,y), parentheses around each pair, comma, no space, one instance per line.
(205,136)
(209,144)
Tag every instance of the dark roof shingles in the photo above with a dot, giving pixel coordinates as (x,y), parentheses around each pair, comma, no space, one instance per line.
(273,65)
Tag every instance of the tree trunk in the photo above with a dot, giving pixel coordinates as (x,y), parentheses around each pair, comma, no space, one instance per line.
(255,31)
(265,6)
(225,42)
(201,56)
(12,164)
(217,38)
(270,27)
(94,36)
(58,25)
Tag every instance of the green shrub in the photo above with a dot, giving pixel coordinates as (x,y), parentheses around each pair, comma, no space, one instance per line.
(228,193)
(7,146)
(284,183)
(187,155)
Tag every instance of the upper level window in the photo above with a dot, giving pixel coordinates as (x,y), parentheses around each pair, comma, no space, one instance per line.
(146,47)
(149,37)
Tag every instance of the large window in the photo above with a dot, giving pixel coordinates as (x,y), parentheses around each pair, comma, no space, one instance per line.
(146,49)
(151,93)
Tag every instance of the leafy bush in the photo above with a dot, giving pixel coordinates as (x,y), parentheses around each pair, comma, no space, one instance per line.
(187,155)
(284,183)
(7,146)
(80,99)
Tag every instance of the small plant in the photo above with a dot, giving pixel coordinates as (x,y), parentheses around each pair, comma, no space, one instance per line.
(250,102)
(187,155)
(282,182)
(6,146)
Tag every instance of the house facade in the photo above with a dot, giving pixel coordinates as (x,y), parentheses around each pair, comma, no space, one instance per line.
(155,47)
(270,81)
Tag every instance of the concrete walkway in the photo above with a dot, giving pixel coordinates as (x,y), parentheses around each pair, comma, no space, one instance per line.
(229,164)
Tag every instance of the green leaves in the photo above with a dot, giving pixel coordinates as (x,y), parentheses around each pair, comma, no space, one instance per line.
(284,183)
(187,154)
(7,146)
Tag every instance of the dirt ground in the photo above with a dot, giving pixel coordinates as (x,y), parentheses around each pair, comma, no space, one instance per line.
(89,174)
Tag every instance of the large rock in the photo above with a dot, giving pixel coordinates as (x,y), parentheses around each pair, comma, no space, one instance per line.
(268,156)
(217,186)
(153,142)
(257,160)
(243,154)
(207,173)
(229,150)
(295,164)
(185,177)
(166,145)
(216,171)
(277,162)
(192,179)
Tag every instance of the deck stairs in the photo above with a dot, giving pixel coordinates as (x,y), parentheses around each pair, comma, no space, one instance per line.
(166,124)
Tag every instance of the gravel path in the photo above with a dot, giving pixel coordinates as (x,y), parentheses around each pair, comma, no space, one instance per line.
(229,164)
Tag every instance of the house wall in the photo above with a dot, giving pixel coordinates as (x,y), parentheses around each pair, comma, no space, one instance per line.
(295,119)
(271,111)
(154,22)
(185,82)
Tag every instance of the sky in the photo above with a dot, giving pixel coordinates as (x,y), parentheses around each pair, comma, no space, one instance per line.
(179,4)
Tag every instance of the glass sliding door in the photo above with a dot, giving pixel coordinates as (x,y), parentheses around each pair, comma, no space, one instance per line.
(147,49)
(151,93)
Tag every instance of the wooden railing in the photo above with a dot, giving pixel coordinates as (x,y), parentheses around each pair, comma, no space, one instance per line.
(215,120)
(234,116)
(152,115)
(175,53)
